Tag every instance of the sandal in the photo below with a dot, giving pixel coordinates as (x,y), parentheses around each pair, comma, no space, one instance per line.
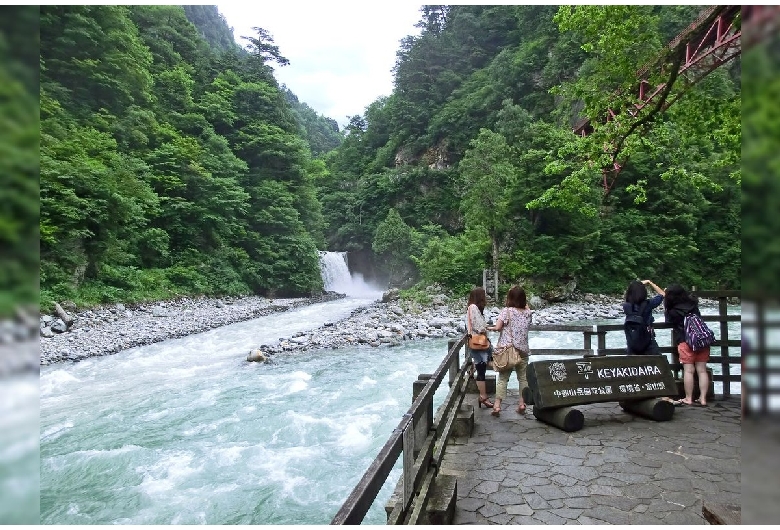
(495,412)
(521,409)
(485,401)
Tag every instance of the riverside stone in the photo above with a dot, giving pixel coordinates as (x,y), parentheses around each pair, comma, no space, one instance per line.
(395,319)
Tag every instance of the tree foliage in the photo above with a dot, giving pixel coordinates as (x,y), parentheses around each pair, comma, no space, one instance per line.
(19,163)
(172,162)
(169,165)
(476,137)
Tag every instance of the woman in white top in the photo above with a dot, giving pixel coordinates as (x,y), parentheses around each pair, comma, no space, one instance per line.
(475,324)
(514,320)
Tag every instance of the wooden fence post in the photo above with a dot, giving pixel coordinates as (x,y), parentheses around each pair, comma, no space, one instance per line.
(424,424)
(454,365)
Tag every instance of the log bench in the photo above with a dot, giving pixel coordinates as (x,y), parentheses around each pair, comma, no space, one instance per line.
(719,513)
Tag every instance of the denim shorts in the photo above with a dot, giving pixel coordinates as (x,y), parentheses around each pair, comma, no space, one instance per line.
(480,356)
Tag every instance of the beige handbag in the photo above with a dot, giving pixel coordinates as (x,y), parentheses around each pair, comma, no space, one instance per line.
(506,358)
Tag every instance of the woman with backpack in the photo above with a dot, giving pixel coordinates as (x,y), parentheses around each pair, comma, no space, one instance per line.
(677,305)
(640,336)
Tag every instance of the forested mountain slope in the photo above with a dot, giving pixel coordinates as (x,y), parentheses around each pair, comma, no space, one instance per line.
(471,162)
(168,166)
(173,163)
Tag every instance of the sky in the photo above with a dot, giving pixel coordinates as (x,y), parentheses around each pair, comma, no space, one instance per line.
(341,53)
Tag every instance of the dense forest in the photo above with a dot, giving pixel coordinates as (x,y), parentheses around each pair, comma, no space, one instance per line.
(18,158)
(173,163)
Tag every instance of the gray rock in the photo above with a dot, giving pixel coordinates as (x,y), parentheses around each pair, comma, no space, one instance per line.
(98,331)
(58,326)
(390,296)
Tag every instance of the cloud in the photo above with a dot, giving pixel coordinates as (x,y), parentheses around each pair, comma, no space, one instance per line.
(341,54)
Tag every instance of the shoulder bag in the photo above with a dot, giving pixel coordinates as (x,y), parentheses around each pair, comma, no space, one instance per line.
(506,358)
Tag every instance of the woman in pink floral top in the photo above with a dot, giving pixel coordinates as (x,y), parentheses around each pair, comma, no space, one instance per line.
(514,320)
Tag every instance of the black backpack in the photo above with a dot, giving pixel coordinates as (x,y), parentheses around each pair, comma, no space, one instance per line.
(638,335)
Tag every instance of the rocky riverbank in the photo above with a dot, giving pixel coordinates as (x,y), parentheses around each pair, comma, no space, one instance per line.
(110,329)
(394,321)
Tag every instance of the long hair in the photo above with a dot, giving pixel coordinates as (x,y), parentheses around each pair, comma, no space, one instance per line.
(675,295)
(636,292)
(477,297)
(516,297)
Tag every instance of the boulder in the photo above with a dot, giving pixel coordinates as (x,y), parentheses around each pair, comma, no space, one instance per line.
(256,356)
(390,296)
(58,326)
(536,302)
(560,293)
(439,322)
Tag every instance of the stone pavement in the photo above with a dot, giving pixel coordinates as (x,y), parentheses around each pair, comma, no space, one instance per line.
(619,469)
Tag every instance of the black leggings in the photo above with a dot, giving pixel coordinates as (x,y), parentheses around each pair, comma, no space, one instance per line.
(481,368)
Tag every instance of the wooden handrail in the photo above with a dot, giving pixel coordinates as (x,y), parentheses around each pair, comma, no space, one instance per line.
(362,496)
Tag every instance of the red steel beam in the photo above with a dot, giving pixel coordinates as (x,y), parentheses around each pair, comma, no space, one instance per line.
(714,30)
(712,40)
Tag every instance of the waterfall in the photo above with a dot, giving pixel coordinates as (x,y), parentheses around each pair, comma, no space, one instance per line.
(336,277)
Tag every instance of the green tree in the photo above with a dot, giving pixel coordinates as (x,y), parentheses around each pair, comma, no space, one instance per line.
(94,58)
(487,173)
(621,40)
(393,243)
(19,162)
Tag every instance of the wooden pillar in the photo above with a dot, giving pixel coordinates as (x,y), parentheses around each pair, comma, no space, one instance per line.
(568,419)
(424,424)
(454,368)
(602,340)
(654,408)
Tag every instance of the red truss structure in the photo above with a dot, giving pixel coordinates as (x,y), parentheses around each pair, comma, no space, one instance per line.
(712,40)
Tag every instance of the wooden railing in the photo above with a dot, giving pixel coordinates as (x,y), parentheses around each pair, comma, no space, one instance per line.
(599,333)
(422,438)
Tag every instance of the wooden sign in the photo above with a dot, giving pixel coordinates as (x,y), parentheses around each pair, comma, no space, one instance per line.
(567,382)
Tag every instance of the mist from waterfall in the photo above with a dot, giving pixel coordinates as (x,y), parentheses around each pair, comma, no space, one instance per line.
(336,277)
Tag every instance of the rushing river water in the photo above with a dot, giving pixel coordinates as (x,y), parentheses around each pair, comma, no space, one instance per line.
(187,432)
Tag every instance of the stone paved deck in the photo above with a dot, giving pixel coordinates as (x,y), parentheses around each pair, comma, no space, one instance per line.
(619,469)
